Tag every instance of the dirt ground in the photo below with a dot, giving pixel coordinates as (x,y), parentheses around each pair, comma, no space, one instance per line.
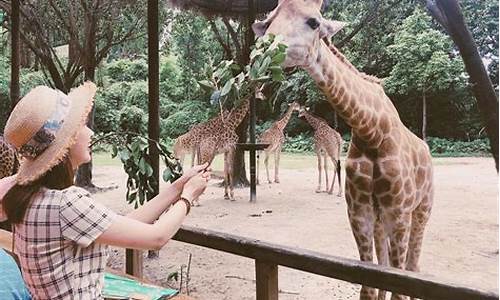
(460,244)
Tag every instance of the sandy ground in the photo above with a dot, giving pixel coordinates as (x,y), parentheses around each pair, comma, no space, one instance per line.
(460,245)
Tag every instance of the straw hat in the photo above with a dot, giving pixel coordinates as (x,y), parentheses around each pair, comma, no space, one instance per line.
(43,127)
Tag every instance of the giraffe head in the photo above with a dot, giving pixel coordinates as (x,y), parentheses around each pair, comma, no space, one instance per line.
(294,106)
(302,27)
(303,111)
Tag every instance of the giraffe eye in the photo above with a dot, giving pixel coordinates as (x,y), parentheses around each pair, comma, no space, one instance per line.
(313,23)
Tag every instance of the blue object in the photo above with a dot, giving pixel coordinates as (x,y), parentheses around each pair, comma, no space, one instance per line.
(12,286)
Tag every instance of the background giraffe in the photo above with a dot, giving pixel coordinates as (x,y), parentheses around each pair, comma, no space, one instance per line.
(327,143)
(9,162)
(189,141)
(275,137)
(220,138)
(389,188)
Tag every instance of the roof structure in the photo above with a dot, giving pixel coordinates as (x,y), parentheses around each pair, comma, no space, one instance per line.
(229,8)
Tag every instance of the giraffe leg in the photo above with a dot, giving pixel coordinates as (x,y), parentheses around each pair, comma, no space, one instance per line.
(266,163)
(318,154)
(381,248)
(226,175)
(258,164)
(360,210)
(419,219)
(193,156)
(338,169)
(325,166)
(330,191)
(399,245)
(277,155)
(230,179)
(362,225)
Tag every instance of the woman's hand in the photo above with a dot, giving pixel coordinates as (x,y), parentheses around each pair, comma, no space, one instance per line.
(190,173)
(196,186)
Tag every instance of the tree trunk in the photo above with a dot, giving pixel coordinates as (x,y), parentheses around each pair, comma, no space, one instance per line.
(424,117)
(449,15)
(15,61)
(84,173)
(239,170)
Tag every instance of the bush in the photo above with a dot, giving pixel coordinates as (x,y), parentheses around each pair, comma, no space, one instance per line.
(299,143)
(133,119)
(138,94)
(127,70)
(445,147)
(188,114)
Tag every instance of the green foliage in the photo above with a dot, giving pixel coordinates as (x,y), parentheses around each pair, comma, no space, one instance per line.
(194,44)
(228,81)
(127,70)
(185,116)
(133,152)
(138,95)
(170,79)
(423,61)
(444,147)
(299,144)
(132,119)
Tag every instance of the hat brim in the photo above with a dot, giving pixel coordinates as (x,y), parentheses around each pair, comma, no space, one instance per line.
(82,99)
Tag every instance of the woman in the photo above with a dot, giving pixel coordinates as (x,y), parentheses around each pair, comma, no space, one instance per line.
(60,233)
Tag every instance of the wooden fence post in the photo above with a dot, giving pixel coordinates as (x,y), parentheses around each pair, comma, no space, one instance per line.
(267,280)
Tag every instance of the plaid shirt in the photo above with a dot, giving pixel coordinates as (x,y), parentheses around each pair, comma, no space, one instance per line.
(55,245)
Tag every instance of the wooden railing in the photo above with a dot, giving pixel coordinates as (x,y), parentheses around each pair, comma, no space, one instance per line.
(268,256)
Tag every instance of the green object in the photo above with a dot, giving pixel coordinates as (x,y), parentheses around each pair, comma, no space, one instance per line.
(119,287)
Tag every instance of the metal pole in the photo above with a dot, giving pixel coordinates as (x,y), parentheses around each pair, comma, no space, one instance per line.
(250,39)
(15,58)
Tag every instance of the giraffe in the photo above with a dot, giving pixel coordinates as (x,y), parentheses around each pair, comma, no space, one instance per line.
(188,141)
(327,143)
(389,185)
(9,162)
(275,137)
(222,138)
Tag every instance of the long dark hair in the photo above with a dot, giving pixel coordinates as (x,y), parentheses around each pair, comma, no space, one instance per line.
(19,197)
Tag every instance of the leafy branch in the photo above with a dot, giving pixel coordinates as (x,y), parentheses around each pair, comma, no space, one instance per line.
(133,151)
(230,80)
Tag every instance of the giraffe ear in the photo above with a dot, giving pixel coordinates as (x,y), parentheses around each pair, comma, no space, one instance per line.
(329,28)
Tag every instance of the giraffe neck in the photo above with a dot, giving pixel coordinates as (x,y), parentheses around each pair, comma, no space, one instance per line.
(281,124)
(315,122)
(238,114)
(358,98)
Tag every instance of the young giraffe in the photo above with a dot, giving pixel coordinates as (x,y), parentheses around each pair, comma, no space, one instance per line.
(189,141)
(222,138)
(9,162)
(275,137)
(327,143)
(389,189)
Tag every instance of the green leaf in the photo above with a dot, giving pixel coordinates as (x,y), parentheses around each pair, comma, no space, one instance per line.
(206,85)
(279,58)
(124,155)
(227,87)
(167,175)
(142,166)
(114,151)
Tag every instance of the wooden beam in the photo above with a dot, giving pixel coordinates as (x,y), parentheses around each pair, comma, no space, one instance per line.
(134,263)
(403,282)
(266,277)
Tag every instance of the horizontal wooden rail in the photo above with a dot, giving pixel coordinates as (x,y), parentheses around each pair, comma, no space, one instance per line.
(386,278)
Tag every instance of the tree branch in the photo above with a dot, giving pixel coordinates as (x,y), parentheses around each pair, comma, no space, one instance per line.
(225,46)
